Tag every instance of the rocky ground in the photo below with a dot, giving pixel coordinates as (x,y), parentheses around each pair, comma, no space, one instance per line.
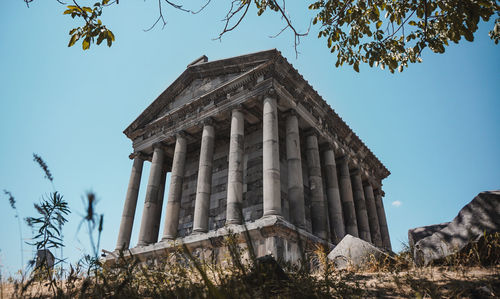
(428,282)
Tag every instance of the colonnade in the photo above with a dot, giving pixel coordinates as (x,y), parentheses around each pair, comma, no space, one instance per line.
(346,204)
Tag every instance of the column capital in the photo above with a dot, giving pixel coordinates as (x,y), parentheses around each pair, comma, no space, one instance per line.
(290,112)
(343,159)
(369,181)
(355,171)
(311,131)
(209,121)
(159,145)
(139,155)
(326,146)
(378,191)
(181,134)
(271,92)
(238,107)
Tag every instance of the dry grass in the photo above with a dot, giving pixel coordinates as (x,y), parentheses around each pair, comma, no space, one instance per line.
(473,273)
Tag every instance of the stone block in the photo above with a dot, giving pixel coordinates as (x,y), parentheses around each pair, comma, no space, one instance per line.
(418,233)
(356,252)
(481,215)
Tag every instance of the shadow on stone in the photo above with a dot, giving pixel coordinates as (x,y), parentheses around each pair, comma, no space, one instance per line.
(479,217)
(267,268)
(356,252)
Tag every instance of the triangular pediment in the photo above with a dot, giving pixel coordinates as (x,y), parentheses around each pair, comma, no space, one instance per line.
(199,80)
(197,88)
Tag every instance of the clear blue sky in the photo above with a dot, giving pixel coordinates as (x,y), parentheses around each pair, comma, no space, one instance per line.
(436,126)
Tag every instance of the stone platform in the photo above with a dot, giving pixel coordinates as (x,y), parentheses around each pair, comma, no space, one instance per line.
(269,235)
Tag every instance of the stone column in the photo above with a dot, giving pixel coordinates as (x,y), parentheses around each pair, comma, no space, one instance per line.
(295,181)
(130,205)
(360,205)
(318,206)
(271,159)
(337,229)
(204,185)
(384,230)
(175,189)
(372,215)
(235,169)
(151,202)
(351,225)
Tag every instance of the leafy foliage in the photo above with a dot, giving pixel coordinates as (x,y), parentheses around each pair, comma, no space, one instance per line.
(385,33)
(394,33)
(52,211)
(93,28)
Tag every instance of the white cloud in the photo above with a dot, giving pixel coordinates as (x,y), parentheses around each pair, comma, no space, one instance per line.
(397,203)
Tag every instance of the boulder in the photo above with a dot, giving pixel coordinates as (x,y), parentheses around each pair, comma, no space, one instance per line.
(44,258)
(418,233)
(354,251)
(481,215)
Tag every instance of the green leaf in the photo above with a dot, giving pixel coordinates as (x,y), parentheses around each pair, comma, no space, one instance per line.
(109,40)
(378,24)
(356,66)
(100,38)
(73,40)
(86,43)
(468,35)
(111,35)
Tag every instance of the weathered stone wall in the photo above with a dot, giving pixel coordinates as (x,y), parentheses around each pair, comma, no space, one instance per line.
(188,191)
(252,182)
(307,191)
(252,173)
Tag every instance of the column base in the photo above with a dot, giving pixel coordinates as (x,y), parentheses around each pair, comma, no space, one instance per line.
(272,213)
(142,244)
(197,231)
(167,238)
(233,221)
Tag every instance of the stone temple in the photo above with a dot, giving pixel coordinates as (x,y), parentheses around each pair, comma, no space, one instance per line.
(250,147)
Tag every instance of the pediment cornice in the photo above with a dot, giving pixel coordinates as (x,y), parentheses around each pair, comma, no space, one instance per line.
(251,66)
(238,64)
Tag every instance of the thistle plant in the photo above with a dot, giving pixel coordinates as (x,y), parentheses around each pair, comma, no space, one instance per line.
(93,220)
(52,211)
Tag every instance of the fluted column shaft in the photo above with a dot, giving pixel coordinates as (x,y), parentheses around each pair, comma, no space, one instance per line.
(270,159)
(351,225)
(204,185)
(318,205)
(384,230)
(175,189)
(235,169)
(146,233)
(360,205)
(295,180)
(130,205)
(337,229)
(372,215)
